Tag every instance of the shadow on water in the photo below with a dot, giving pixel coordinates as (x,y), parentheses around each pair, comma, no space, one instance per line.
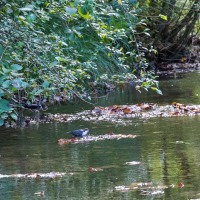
(166,151)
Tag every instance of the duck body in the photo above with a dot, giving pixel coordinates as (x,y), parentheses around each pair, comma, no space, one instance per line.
(79,132)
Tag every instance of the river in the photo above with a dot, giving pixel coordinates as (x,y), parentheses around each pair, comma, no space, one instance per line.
(162,162)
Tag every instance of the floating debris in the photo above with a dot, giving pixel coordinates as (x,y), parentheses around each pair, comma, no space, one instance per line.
(153,192)
(180,185)
(179,142)
(122,114)
(133,163)
(39,194)
(112,136)
(145,188)
(51,175)
(122,188)
(92,169)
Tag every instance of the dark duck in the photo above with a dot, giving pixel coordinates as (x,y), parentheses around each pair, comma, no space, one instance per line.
(79,132)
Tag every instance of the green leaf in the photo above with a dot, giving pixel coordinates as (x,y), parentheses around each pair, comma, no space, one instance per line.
(60,59)
(21,18)
(70,11)
(1,93)
(6,84)
(24,84)
(4,115)
(45,84)
(15,67)
(1,49)
(31,18)
(53,64)
(159,91)
(83,14)
(5,70)
(27,8)
(17,83)
(164,17)
(4,106)
(147,34)
(14,116)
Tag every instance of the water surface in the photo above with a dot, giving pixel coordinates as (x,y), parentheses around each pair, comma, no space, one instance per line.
(167,149)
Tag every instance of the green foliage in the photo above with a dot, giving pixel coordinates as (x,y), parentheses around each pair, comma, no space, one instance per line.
(53,47)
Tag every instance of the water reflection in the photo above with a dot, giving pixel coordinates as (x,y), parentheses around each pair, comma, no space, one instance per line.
(168,149)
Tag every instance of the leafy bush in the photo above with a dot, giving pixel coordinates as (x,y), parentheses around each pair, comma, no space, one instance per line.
(53,47)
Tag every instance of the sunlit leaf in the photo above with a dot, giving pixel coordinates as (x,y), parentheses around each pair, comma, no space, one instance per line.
(70,11)
(27,8)
(119,1)
(85,16)
(146,33)
(21,18)
(159,91)
(164,17)
(60,59)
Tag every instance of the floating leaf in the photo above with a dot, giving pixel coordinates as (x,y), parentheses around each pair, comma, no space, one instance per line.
(180,185)
(95,138)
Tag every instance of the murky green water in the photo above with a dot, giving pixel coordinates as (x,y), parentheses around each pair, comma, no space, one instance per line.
(168,149)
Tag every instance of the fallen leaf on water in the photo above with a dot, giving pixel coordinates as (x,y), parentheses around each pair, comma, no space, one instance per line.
(146,107)
(180,185)
(127,111)
(112,136)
